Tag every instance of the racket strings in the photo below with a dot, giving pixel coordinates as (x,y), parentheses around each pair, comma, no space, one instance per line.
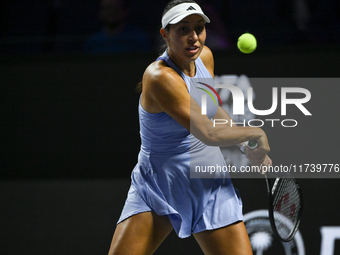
(286,206)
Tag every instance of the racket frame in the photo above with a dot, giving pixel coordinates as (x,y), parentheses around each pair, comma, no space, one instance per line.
(270,188)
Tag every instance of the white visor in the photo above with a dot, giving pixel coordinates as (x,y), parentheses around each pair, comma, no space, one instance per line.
(179,12)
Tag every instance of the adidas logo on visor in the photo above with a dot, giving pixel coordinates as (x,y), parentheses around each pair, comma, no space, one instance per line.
(191,8)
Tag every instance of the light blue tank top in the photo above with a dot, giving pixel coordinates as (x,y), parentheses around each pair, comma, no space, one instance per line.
(160,133)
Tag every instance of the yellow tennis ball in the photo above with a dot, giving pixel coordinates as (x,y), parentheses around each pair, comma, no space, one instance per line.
(246,43)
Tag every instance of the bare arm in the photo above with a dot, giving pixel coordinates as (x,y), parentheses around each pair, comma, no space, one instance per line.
(208,60)
(221,135)
(168,90)
(223,114)
(256,157)
(164,90)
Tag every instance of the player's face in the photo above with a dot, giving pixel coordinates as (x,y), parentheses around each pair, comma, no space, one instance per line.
(186,39)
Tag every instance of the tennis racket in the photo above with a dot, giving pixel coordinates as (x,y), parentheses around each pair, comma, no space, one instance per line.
(285,204)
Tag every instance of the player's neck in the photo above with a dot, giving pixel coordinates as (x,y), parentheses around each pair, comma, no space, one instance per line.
(186,66)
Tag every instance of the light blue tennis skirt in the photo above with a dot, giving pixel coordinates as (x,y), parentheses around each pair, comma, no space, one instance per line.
(162,184)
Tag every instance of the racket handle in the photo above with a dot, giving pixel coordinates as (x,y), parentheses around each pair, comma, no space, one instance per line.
(252,144)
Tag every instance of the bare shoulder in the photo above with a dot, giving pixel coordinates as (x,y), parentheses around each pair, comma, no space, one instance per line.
(164,90)
(208,59)
(158,74)
(161,87)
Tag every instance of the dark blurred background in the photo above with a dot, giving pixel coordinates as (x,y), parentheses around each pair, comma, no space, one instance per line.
(68,108)
(40,27)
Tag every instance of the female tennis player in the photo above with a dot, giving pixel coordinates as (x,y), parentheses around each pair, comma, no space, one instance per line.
(175,137)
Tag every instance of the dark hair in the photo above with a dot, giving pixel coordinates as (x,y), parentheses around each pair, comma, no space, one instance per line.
(163,46)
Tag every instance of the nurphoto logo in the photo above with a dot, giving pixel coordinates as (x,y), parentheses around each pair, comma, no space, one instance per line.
(239,102)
